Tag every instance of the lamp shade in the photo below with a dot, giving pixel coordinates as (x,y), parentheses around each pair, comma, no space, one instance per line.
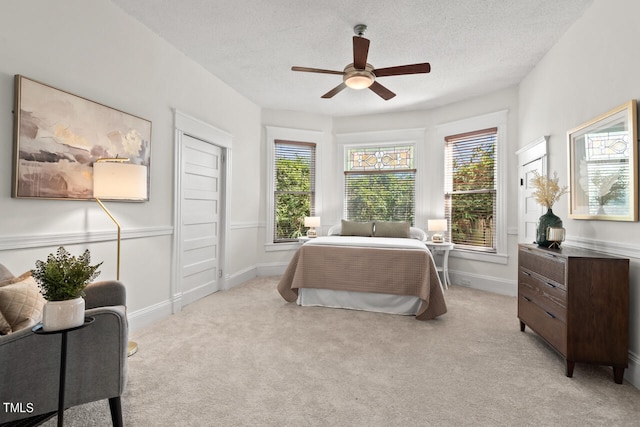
(119,181)
(437,225)
(312,221)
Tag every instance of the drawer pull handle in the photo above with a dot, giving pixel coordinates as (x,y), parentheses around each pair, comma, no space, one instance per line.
(550,315)
(526,273)
(551,255)
(551,285)
(527,299)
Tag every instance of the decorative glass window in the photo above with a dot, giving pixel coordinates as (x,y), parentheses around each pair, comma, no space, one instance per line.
(380,183)
(606,164)
(294,188)
(470,189)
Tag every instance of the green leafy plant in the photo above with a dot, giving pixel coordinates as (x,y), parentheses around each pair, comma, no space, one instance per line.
(63,276)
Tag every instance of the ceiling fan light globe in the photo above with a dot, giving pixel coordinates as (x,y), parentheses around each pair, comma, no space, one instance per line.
(358,81)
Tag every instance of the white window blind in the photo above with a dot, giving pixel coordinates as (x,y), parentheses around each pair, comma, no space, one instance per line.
(380,184)
(470,189)
(294,189)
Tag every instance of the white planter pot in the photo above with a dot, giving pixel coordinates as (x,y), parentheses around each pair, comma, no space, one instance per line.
(58,315)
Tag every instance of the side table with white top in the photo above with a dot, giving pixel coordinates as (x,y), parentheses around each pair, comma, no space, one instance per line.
(441,249)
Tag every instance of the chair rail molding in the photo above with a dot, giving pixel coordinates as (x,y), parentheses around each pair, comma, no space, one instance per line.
(29,241)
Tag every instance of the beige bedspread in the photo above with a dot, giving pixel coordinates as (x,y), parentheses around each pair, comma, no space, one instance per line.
(382,270)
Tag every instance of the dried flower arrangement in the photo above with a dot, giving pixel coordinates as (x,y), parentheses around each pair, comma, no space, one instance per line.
(548,191)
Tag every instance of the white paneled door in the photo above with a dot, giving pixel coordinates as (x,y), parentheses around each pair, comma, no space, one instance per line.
(200,218)
(531,210)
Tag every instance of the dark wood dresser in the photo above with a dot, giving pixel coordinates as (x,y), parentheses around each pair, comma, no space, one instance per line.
(578,301)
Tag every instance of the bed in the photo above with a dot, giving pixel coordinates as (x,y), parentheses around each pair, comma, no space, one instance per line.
(366,271)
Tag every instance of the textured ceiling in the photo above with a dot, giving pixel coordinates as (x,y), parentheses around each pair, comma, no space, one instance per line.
(473,46)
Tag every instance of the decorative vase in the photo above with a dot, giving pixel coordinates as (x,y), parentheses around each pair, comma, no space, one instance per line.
(547,220)
(58,315)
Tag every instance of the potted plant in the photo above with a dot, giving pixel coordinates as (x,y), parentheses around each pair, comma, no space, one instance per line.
(62,279)
(547,192)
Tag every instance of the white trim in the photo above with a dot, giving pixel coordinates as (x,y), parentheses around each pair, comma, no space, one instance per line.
(497,285)
(201,130)
(626,250)
(495,258)
(187,125)
(300,135)
(244,225)
(275,247)
(29,241)
(497,119)
(632,374)
(148,315)
(533,150)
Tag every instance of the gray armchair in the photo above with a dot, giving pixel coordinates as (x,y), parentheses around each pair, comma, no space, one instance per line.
(96,360)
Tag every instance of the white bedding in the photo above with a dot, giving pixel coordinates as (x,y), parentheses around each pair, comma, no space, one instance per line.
(376,302)
(369,242)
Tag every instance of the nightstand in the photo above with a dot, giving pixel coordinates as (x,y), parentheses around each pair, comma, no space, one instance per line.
(441,250)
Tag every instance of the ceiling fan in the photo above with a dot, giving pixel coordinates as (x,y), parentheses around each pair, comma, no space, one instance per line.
(362,75)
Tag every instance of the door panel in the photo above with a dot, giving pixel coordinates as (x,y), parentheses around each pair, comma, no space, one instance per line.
(200,213)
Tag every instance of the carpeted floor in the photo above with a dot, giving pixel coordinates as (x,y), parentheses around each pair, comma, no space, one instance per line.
(245,357)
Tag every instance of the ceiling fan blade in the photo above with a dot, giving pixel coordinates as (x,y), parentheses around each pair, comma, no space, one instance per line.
(424,67)
(334,91)
(360,52)
(317,70)
(382,91)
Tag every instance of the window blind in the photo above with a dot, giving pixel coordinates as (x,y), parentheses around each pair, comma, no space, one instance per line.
(386,195)
(470,188)
(295,186)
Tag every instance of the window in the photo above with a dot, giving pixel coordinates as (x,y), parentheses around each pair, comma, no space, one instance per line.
(380,183)
(471,190)
(294,188)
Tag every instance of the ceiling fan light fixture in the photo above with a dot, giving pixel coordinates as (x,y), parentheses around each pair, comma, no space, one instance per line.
(358,79)
(358,82)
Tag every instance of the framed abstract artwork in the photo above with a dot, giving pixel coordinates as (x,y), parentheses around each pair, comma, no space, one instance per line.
(58,136)
(603,156)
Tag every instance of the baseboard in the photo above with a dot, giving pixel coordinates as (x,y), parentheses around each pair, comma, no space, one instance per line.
(272,269)
(240,277)
(632,374)
(484,283)
(149,315)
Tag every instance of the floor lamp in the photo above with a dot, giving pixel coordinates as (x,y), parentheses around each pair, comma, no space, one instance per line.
(117,179)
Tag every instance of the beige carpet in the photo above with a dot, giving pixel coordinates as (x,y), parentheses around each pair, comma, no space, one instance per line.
(247,358)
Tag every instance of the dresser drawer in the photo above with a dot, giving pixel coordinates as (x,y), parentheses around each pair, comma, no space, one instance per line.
(543,293)
(552,329)
(546,265)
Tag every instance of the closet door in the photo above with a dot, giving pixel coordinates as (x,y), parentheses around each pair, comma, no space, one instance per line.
(200,218)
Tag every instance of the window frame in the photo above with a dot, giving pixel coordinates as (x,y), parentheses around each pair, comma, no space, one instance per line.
(450,192)
(414,137)
(301,146)
(274,133)
(378,172)
(498,120)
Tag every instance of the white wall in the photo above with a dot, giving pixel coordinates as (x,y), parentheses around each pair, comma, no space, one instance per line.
(95,50)
(591,70)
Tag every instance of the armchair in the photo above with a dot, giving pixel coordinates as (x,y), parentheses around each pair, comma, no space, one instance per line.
(96,360)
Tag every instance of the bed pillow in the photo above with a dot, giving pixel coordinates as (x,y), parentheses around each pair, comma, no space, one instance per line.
(21,303)
(354,228)
(391,229)
(416,233)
